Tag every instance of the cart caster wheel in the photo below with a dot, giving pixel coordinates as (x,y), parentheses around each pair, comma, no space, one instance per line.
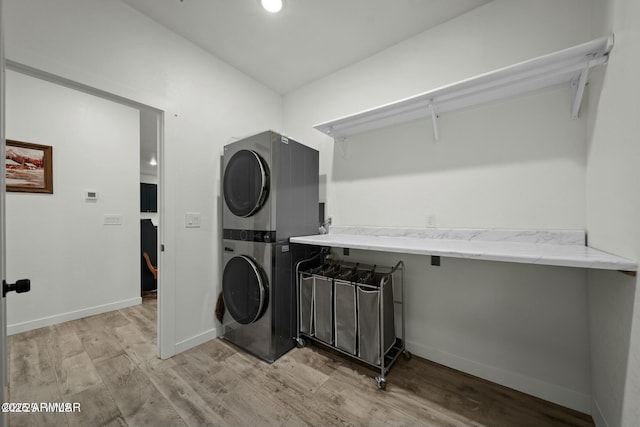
(408,355)
(381,383)
(300,343)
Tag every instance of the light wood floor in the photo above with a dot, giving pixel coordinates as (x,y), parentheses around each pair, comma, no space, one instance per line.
(108,364)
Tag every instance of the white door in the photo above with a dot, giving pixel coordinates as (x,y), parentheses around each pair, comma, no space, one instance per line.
(4,381)
(20,285)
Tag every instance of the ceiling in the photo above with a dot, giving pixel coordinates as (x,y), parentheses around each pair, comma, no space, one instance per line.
(307,40)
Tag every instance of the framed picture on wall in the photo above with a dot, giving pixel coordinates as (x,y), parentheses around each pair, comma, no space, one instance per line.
(29,167)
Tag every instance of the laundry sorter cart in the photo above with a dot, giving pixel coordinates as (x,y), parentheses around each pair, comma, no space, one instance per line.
(352,308)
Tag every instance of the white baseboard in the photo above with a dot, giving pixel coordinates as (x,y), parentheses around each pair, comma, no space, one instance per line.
(16,328)
(550,392)
(598,417)
(196,340)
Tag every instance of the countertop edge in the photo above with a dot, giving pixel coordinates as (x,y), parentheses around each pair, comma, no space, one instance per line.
(527,253)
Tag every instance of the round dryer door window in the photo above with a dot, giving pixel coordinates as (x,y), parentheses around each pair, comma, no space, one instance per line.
(244,289)
(245,183)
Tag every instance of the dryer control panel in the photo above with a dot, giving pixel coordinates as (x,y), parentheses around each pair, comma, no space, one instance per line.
(250,235)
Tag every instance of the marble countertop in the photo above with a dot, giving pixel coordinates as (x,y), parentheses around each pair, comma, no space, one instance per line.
(521,246)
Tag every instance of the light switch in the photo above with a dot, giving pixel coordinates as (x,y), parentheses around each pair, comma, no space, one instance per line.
(192,220)
(113,219)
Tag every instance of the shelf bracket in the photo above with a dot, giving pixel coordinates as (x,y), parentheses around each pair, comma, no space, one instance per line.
(434,120)
(577,92)
(341,142)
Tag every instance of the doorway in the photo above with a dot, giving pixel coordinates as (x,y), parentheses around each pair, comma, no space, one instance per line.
(149,216)
(91,260)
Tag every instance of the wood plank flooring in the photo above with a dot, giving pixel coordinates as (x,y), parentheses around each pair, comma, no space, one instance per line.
(108,364)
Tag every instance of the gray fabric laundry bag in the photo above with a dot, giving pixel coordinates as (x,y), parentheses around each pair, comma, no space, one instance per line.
(323,308)
(369,321)
(306,304)
(346,321)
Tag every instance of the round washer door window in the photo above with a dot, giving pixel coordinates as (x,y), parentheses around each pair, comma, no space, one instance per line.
(244,289)
(245,183)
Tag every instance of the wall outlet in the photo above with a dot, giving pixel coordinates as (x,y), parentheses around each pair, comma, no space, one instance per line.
(91,195)
(431,220)
(113,219)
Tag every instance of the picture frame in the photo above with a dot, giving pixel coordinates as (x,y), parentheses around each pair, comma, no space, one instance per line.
(28,167)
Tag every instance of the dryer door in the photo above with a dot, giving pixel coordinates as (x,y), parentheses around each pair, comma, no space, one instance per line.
(245,183)
(244,289)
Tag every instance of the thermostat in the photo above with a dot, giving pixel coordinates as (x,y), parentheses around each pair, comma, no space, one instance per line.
(91,195)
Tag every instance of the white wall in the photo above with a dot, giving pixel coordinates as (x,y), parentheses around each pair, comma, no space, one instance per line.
(516,164)
(148,179)
(494,166)
(77,265)
(110,46)
(613,209)
(148,141)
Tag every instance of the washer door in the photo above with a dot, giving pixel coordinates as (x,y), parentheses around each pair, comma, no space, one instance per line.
(244,289)
(245,183)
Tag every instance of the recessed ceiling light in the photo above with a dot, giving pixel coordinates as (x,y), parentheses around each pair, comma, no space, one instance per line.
(273,6)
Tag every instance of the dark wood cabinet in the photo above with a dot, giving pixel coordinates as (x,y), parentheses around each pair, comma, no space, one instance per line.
(148,197)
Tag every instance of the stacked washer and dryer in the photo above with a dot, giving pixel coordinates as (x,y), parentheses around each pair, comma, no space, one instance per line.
(270,188)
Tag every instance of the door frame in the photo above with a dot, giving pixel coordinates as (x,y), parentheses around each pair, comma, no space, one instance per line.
(166,279)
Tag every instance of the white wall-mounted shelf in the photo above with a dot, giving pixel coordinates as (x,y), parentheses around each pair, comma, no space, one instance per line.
(569,66)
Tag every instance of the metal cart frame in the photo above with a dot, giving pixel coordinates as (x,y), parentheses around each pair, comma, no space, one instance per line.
(388,357)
